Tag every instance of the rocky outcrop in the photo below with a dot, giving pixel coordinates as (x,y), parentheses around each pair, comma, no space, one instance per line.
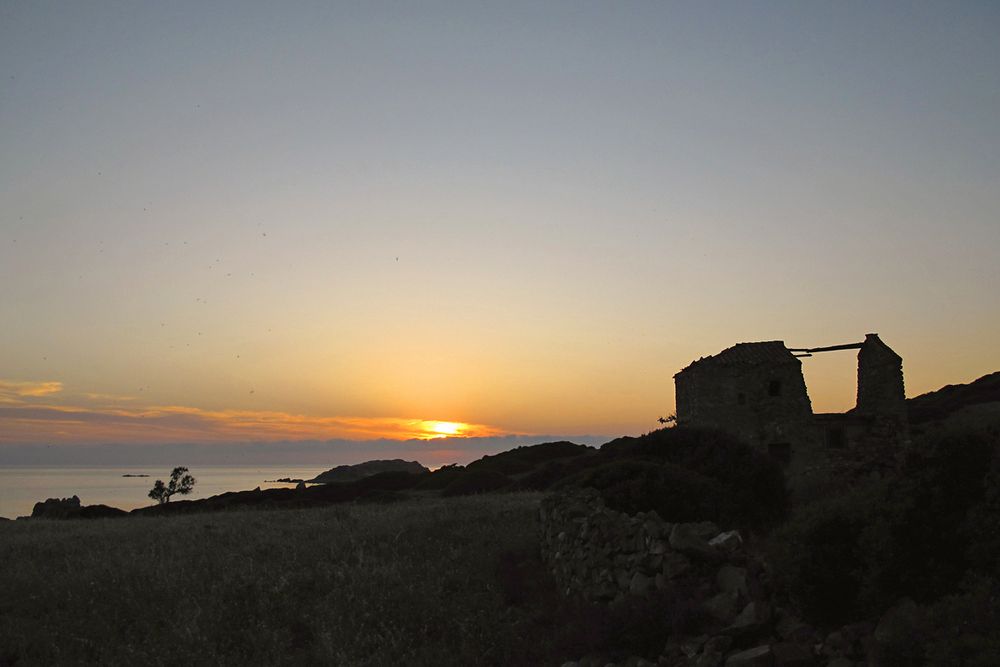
(70,508)
(56,508)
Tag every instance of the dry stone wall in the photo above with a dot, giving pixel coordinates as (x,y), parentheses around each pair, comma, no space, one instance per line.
(602,555)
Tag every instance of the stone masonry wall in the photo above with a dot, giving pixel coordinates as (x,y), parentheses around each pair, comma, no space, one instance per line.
(602,554)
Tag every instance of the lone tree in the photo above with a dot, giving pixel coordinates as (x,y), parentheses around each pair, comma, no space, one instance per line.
(180,482)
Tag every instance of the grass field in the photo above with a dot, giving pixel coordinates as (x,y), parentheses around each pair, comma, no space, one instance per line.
(421,582)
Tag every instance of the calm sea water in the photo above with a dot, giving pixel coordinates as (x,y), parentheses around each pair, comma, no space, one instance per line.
(22,486)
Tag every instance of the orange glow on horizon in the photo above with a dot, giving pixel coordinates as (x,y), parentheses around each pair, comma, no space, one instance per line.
(29,414)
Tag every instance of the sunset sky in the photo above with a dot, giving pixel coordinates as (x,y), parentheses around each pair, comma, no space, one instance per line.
(240,222)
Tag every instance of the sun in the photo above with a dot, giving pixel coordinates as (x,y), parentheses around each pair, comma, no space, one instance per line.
(446,428)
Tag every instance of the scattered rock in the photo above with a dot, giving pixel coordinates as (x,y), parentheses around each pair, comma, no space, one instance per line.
(687,539)
(759,656)
(793,655)
(840,662)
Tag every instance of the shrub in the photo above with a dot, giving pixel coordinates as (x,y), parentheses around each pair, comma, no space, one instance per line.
(676,494)
(476,481)
(551,473)
(963,627)
(818,558)
(914,535)
(440,478)
(753,481)
(522,459)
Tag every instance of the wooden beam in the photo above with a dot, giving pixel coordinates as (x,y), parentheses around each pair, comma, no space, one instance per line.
(831,348)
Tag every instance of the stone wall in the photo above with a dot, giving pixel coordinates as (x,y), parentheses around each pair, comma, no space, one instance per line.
(602,555)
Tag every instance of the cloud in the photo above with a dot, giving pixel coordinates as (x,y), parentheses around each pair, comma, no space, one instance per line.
(12,391)
(32,422)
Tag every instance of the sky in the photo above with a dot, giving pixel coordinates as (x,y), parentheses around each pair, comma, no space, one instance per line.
(238,222)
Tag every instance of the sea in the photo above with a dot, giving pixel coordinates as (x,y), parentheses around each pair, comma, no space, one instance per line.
(23,486)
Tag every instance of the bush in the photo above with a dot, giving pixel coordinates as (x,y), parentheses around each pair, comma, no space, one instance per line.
(676,494)
(440,478)
(818,559)
(963,627)
(522,459)
(914,535)
(476,481)
(754,482)
(551,473)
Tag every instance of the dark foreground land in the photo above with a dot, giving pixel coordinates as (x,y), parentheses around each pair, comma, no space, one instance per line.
(890,561)
(424,581)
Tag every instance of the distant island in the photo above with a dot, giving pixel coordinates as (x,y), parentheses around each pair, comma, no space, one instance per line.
(128,474)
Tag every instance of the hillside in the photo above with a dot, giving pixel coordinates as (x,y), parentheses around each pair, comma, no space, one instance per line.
(352,473)
(950,399)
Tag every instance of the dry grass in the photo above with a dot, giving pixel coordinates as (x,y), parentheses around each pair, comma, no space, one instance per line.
(408,583)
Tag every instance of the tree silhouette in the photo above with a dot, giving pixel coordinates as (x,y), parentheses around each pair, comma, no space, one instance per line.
(180,482)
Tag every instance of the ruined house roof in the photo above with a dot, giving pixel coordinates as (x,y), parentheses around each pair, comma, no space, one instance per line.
(769,353)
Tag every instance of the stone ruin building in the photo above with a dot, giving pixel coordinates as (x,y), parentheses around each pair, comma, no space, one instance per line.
(756,392)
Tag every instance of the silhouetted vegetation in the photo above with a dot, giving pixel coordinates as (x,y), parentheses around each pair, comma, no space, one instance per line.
(685,473)
(526,458)
(180,482)
(917,534)
(675,493)
(476,481)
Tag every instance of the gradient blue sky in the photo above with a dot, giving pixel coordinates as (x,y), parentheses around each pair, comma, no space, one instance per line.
(521,216)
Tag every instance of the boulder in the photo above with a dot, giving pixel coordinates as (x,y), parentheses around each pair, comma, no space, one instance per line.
(706,530)
(792,655)
(718,644)
(640,584)
(729,541)
(688,539)
(675,564)
(731,578)
(691,646)
(897,634)
(758,656)
(791,629)
(750,622)
(723,607)
(899,623)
